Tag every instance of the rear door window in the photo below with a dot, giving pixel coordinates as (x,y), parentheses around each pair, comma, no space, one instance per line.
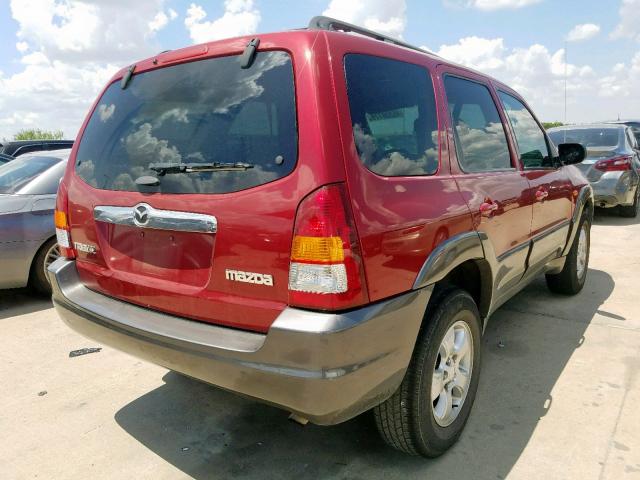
(200,112)
(393,115)
(480,137)
(532,143)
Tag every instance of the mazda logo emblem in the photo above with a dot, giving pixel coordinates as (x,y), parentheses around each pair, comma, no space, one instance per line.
(141,215)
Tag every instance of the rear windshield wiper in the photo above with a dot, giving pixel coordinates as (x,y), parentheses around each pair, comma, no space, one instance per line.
(169,168)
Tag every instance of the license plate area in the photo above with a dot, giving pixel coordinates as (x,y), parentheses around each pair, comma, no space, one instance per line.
(183,257)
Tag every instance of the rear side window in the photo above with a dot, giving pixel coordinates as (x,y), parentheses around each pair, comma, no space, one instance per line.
(393,115)
(481,141)
(532,144)
(201,112)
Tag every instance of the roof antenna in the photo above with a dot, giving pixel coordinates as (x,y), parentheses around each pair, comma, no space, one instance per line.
(566,78)
(249,54)
(566,63)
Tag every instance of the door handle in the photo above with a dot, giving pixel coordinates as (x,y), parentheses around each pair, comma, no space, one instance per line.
(487,208)
(541,194)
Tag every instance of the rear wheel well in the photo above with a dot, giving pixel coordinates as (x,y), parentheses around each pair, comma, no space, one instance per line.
(38,251)
(37,279)
(473,276)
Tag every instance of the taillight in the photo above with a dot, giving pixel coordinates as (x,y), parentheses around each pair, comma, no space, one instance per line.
(616,164)
(326,266)
(61,220)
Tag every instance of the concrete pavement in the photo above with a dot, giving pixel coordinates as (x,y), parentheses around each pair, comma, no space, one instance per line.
(559,398)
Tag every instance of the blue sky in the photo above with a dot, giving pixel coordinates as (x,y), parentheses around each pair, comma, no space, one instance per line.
(55,54)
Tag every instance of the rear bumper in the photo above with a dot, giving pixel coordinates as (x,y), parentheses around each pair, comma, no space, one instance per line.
(613,189)
(325,367)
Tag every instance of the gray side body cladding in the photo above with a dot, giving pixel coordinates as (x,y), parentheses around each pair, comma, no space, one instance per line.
(448,255)
(585,197)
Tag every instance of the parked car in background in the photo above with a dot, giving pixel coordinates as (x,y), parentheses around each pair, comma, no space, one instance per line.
(635,127)
(28,187)
(341,244)
(4,158)
(20,147)
(612,165)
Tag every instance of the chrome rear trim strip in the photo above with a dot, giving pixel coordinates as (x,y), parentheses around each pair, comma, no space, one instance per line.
(145,216)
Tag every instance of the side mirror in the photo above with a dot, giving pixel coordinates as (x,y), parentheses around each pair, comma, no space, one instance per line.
(571,153)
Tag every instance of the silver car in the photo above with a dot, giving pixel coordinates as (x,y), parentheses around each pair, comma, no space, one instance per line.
(28,187)
(612,165)
(634,124)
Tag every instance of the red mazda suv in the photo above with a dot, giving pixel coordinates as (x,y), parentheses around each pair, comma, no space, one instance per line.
(321,219)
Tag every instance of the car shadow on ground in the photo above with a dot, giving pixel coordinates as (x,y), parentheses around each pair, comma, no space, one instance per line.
(21,301)
(209,433)
(611,217)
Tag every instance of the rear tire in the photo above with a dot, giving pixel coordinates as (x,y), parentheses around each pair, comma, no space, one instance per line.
(571,279)
(631,211)
(47,254)
(412,421)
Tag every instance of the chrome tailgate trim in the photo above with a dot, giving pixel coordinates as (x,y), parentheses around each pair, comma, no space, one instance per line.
(144,215)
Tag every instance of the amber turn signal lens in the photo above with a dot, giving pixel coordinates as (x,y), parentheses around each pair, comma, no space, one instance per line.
(60,219)
(317,249)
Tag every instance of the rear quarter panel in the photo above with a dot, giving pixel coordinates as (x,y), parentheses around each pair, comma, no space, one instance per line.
(400,220)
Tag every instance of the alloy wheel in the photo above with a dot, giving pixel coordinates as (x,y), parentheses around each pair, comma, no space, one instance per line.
(51,256)
(581,263)
(452,373)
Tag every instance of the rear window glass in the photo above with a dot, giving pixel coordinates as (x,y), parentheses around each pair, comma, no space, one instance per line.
(393,115)
(19,172)
(588,137)
(203,112)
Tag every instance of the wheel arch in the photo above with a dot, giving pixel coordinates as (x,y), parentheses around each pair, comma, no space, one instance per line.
(459,261)
(37,252)
(584,203)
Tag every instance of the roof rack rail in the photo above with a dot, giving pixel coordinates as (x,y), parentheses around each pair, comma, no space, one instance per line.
(327,23)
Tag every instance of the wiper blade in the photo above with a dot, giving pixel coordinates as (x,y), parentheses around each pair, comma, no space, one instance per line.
(169,168)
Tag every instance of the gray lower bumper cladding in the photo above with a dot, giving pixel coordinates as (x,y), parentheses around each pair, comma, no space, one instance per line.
(326,367)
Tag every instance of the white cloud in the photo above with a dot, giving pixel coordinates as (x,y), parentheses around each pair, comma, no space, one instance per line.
(629,24)
(69,49)
(77,30)
(491,4)
(35,58)
(584,31)
(50,95)
(240,18)
(385,16)
(623,82)
(161,20)
(480,53)
(535,72)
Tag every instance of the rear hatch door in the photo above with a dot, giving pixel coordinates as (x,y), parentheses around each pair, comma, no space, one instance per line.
(184,193)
